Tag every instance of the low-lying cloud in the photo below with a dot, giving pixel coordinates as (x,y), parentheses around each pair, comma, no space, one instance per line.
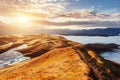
(115,24)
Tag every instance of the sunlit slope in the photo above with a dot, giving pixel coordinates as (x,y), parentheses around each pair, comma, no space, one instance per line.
(58,64)
(60,59)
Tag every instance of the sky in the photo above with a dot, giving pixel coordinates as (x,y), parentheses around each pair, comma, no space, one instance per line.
(99,5)
(59,14)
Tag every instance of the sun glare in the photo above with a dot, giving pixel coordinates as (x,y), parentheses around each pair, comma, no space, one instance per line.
(21,19)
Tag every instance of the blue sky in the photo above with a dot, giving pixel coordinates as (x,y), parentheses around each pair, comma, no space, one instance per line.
(99,5)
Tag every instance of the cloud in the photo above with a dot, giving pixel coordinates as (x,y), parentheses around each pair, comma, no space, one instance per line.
(110,11)
(83,18)
(35,9)
(115,24)
(89,15)
(10,7)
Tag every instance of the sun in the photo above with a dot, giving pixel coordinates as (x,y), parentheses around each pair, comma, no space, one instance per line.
(22,19)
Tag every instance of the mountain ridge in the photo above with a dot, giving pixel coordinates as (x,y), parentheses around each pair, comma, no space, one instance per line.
(65,60)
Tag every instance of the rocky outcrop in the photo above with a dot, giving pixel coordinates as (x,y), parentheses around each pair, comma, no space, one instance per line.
(45,43)
(55,58)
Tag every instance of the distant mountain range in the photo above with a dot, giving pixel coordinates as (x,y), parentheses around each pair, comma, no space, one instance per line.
(4,29)
(84,32)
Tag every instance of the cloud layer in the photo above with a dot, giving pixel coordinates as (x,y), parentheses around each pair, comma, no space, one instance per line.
(54,13)
(89,15)
(10,7)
